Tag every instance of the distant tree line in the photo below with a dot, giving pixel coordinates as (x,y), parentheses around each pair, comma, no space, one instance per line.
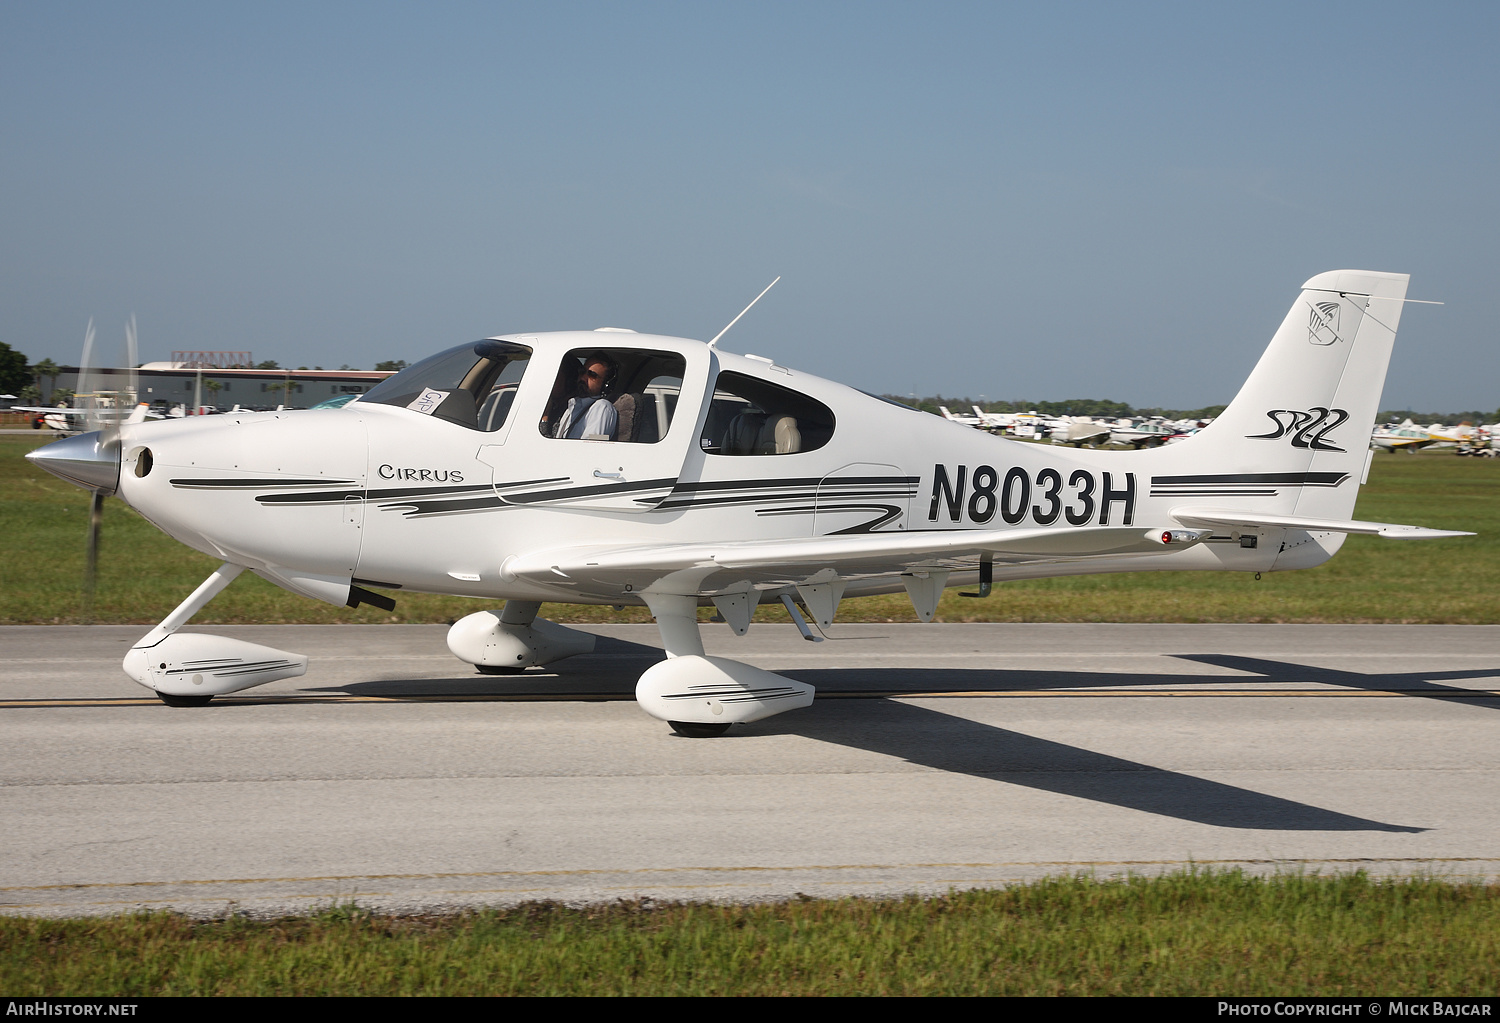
(1101,408)
(1446,418)
(14,372)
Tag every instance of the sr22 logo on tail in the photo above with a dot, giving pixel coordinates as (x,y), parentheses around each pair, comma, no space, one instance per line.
(1308,429)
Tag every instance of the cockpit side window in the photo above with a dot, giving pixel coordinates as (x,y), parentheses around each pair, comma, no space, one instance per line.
(614,394)
(750,416)
(473,386)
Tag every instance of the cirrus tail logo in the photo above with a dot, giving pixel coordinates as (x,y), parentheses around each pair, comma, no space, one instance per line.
(1323,323)
(1307,429)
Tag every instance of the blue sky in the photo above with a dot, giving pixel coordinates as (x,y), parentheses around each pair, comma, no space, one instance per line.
(1034,201)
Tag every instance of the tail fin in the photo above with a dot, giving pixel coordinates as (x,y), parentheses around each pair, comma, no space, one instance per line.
(1299,430)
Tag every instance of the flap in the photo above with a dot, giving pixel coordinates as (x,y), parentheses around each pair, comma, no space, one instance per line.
(892,548)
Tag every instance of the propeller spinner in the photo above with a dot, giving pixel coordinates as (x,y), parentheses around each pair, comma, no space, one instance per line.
(88,460)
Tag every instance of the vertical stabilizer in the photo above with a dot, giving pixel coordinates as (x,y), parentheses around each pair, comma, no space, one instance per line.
(1300,427)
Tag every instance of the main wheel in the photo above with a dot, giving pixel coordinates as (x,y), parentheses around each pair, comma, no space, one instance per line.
(498,669)
(695,730)
(184,701)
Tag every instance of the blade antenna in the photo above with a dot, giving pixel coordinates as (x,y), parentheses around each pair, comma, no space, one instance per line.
(743,312)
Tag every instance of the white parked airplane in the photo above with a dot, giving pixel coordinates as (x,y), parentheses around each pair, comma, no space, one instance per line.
(1444,436)
(70,420)
(1078,430)
(991,420)
(961,419)
(1140,433)
(720,479)
(1406,437)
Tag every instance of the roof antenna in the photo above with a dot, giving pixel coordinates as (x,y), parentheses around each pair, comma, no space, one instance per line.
(742,313)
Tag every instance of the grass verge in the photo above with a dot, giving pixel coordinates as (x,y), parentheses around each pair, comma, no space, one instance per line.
(1193,933)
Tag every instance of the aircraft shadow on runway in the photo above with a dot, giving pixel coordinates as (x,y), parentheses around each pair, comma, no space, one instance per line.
(929,737)
(611,669)
(616,663)
(1414,683)
(944,742)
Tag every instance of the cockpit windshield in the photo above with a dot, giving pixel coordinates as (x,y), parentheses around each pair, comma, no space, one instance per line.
(471,385)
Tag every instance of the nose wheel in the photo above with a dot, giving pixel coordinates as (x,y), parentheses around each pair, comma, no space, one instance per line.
(694,730)
(183,701)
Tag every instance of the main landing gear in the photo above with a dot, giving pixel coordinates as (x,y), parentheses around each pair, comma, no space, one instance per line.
(508,641)
(698,695)
(701,696)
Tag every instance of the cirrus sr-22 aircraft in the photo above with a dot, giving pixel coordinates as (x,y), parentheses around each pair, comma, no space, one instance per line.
(697,477)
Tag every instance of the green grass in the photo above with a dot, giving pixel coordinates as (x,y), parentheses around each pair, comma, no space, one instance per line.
(1196,933)
(144,574)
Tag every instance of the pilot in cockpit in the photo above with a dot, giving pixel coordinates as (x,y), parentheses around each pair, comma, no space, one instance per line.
(588,415)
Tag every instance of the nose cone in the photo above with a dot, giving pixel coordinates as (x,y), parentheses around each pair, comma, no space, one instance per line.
(89,460)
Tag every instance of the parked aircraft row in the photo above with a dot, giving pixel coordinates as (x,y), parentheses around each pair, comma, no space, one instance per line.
(1481,440)
(1152,431)
(1136,432)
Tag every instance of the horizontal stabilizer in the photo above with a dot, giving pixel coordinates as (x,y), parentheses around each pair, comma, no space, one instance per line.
(1220,517)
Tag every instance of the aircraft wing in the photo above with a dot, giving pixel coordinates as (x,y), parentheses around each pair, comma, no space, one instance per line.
(1220,517)
(882,551)
(54,411)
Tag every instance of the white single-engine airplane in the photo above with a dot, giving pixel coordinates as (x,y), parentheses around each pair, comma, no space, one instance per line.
(69,420)
(700,477)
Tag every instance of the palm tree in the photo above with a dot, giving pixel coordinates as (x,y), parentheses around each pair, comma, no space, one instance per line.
(46,370)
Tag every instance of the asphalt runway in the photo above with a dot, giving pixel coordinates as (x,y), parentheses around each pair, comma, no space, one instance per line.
(936,757)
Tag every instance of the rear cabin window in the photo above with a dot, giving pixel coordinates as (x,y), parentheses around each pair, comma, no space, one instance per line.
(750,416)
(627,395)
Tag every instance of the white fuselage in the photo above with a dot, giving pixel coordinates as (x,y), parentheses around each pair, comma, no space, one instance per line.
(389,497)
